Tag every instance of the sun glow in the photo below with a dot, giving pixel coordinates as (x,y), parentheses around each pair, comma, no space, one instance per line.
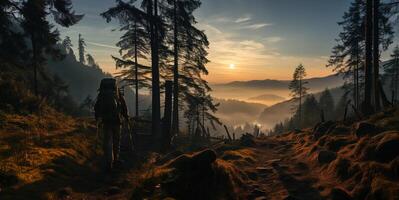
(232,66)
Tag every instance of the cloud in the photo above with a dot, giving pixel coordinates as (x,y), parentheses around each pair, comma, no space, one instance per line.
(254,58)
(102,45)
(257,26)
(242,19)
(274,39)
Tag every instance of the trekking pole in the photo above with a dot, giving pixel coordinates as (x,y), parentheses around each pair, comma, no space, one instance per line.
(129,129)
(97,134)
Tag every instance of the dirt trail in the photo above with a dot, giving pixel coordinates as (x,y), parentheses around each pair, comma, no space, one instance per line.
(280,175)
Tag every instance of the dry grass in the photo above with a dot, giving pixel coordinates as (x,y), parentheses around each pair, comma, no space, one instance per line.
(39,151)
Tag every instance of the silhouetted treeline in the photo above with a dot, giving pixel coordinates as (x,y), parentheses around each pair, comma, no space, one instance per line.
(163,33)
(367,30)
(27,41)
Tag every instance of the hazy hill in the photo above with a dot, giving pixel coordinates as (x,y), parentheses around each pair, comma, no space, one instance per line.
(281,111)
(85,80)
(267,97)
(243,90)
(319,83)
(235,112)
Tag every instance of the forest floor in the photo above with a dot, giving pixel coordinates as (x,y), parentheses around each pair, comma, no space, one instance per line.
(334,160)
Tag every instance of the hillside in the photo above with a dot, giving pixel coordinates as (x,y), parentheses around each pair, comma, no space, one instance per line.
(266,98)
(234,112)
(243,90)
(333,160)
(84,81)
(281,111)
(318,83)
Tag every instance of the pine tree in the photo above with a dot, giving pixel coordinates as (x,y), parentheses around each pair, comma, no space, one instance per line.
(340,108)
(382,39)
(348,57)
(181,21)
(298,89)
(392,72)
(367,107)
(311,111)
(12,44)
(40,32)
(134,45)
(67,44)
(155,28)
(81,48)
(327,105)
(91,61)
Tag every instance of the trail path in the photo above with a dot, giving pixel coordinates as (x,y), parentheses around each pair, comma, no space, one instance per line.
(280,175)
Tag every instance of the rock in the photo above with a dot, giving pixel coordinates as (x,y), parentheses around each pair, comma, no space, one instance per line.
(264,170)
(290,197)
(336,144)
(7,179)
(113,191)
(257,193)
(387,149)
(395,167)
(181,161)
(339,130)
(364,128)
(168,157)
(326,156)
(339,194)
(64,192)
(204,158)
(247,140)
(322,128)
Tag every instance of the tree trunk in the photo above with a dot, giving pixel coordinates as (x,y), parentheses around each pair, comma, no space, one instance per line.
(136,70)
(167,136)
(156,101)
(376,55)
(34,63)
(367,106)
(396,78)
(175,121)
(300,104)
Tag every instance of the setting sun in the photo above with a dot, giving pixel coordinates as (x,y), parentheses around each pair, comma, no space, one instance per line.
(232,66)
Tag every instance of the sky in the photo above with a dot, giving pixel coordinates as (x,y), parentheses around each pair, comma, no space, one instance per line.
(249,39)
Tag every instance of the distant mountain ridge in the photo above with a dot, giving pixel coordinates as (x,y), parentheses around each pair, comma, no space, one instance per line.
(267,97)
(281,111)
(318,83)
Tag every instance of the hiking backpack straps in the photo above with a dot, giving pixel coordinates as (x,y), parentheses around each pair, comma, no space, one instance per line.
(109,105)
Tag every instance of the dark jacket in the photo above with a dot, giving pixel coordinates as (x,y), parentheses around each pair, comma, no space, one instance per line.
(122,109)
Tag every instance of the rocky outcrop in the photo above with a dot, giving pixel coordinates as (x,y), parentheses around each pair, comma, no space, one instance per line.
(325,157)
(366,129)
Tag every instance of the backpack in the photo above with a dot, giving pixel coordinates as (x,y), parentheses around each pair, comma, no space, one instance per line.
(108,100)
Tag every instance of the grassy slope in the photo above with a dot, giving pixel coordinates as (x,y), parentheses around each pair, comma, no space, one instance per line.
(39,154)
(288,166)
(55,156)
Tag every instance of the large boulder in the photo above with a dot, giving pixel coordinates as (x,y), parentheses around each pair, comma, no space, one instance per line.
(388,148)
(200,160)
(247,140)
(322,128)
(326,157)
(205,158)
(339,194)
(395,167)
(366,129)
(339,130)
